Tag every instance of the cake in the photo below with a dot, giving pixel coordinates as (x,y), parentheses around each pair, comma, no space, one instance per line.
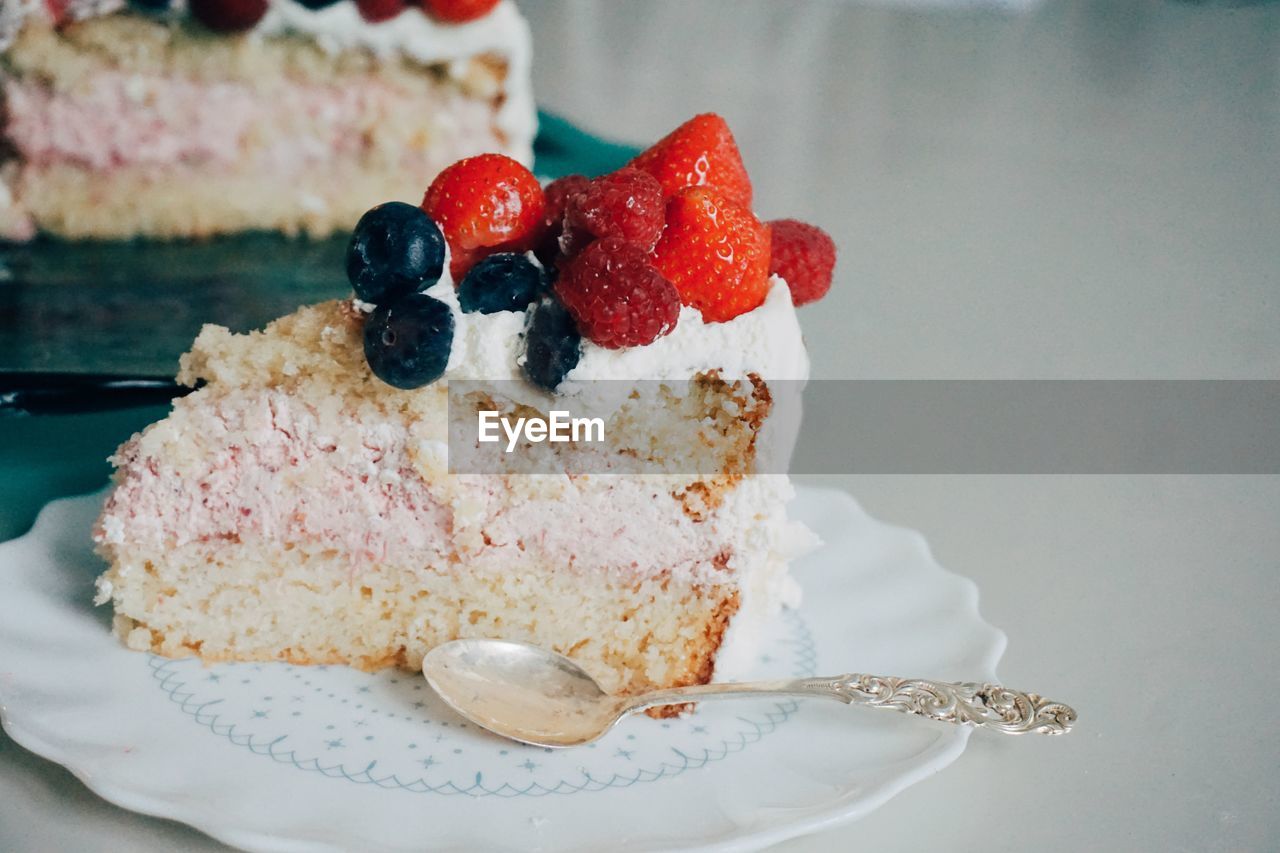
(236,115)
(314,500)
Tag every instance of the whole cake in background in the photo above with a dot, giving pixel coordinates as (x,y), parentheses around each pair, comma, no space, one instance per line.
(225,116)
(300,506)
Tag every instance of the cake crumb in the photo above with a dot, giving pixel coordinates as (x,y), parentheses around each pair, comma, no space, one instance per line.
(103,587)
(139,639)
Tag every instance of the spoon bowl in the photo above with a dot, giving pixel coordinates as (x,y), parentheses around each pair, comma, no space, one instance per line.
(522,692)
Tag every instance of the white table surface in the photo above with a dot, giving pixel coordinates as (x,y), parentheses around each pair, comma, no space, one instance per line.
(1090,191)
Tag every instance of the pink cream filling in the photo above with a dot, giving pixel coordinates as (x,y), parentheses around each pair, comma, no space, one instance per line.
(374,506)
(252,490)
(119,119)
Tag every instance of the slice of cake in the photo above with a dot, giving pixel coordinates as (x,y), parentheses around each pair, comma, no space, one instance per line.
(319,497)
(246,114)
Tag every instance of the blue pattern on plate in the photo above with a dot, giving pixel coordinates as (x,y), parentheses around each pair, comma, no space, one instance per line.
(388,729)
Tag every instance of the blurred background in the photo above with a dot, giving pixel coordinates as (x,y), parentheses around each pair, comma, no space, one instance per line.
(1062,189)
(1085,189)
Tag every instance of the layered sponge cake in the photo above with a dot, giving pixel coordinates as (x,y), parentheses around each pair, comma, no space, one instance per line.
(241,115)
(313,501)
(297,508)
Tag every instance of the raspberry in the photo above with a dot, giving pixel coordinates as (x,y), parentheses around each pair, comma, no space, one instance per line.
(557,194)
(627,204)
(700,152)
(715,252)
(484,205)
(228,16)
(458,11)
(615,295)
(377,11)
(805,256)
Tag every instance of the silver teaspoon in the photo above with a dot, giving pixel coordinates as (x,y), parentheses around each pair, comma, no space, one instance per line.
(542,698)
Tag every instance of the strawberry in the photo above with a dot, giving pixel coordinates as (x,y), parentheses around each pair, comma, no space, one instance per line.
(700,152)
(715,252)
(458,11)
(484,205)
(805,256)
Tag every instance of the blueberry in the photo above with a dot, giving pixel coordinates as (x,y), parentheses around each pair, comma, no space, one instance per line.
(152,5)
(502,282)
(552,345)
(317,4)
(407,342)
(396,249)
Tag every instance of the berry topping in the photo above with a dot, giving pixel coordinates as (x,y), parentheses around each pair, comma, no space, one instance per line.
(700,152)
(715,252)
(394,250)
(805,256)
(458,11)
(377,11)
(317,4)
(61,11)
(407,342)
(57,10)
(552,345)
(228,16)
(502,282)
(628,203)
(557,194)
(615,295)
(485,205)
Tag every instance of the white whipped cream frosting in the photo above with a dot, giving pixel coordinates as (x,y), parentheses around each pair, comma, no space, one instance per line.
(778,540)
(766,341)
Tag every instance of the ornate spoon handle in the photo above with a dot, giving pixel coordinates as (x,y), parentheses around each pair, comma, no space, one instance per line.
(990,706)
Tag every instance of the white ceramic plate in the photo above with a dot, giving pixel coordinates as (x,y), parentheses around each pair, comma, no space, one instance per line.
(281,758)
